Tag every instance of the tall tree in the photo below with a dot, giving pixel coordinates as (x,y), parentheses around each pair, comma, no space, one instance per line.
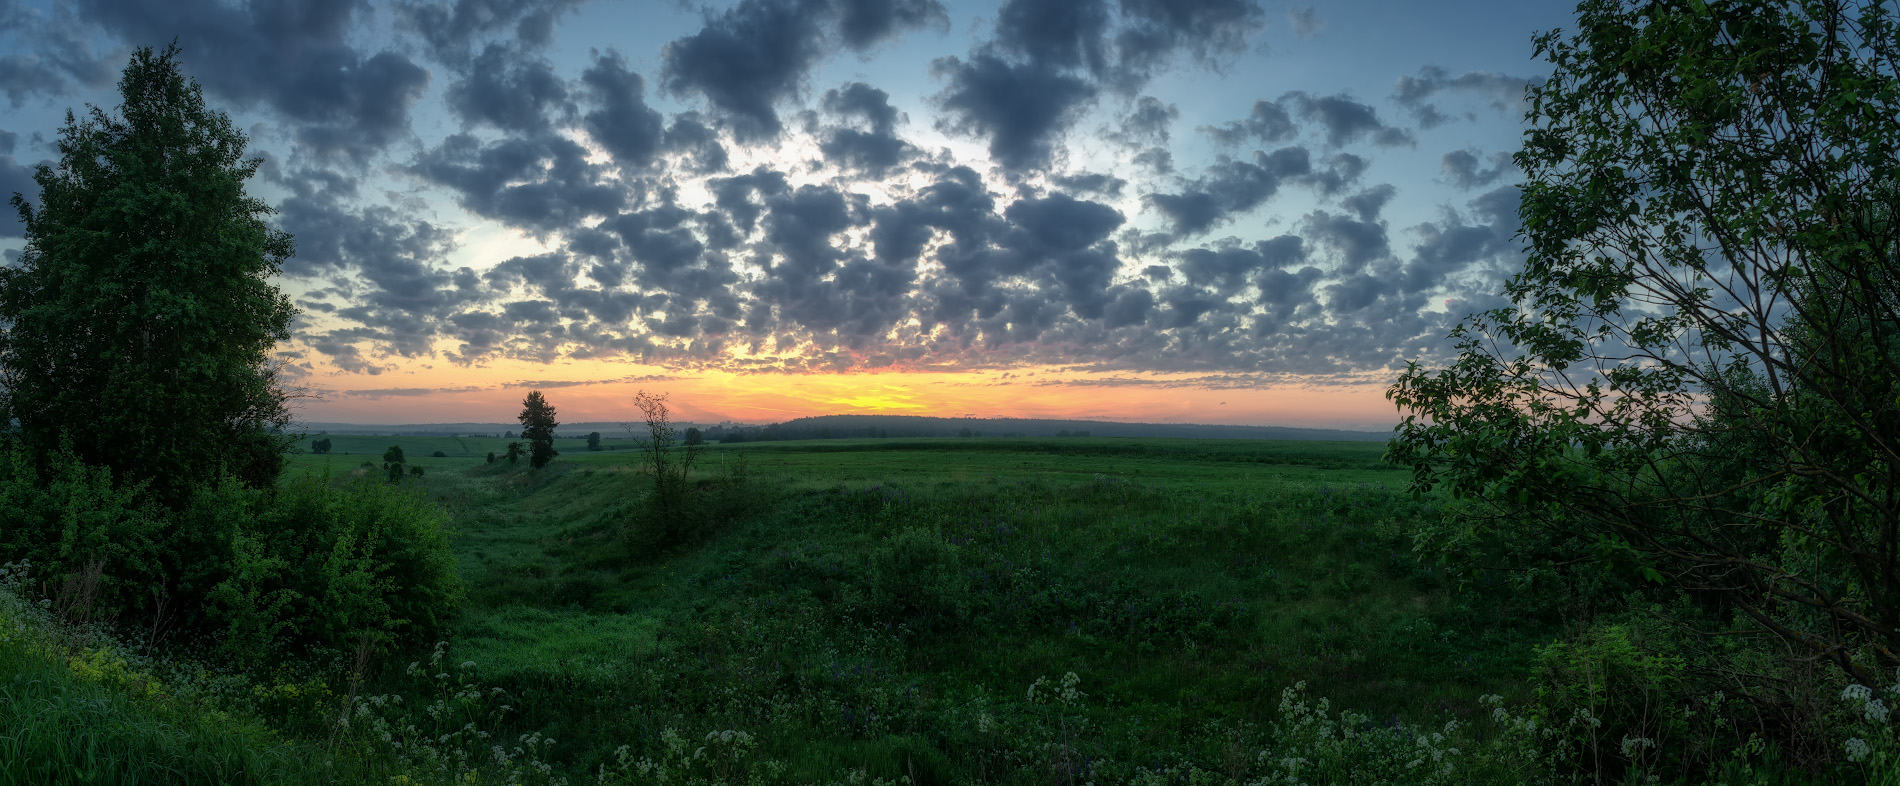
(141,318)
(537,427)
(1698,380)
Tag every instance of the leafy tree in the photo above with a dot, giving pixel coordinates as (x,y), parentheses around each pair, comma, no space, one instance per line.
(514,452)
(140,316)
(415,471)
(537,427)
(1696,380)
(694,437)
(320,446)
(395,472)
(491,457)
(393,455)
(593,440)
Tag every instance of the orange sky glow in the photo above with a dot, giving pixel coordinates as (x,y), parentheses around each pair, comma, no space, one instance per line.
(597,391)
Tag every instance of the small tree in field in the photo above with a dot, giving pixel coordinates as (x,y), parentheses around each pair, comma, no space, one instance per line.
(320,446)
(537,427)
(514,452)
(661,453)
(694,437)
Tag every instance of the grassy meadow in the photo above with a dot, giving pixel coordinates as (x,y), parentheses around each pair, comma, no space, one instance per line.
(884,605)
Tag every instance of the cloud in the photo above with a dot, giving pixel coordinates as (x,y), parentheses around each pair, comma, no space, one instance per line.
(449,28)
(294,57)
(1231,187)
(1055,33)
(1503,93)
(1347,121)
(1020,107)
(1304,21)
(1049,60)
(1148,123)
(510,91)
(1155,30)
(756,55)
(541,184)
(1268,123)
(1462,168)
(60,62)
(872,149)
(621,121)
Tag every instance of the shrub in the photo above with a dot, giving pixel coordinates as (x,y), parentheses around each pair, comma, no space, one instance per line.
(259,569)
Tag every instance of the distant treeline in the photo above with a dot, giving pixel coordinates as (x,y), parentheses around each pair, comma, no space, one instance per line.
(900,426)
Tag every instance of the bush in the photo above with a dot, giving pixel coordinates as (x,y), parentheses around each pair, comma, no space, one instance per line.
(918,577)
(329,566)
(260,570)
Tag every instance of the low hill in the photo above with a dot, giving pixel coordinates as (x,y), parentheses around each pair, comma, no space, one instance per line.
(831,426)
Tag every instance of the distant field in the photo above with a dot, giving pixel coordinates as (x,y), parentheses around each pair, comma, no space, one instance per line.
(1228,466)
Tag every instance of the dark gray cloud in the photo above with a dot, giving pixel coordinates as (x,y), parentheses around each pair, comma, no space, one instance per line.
(1154,31)
(1228,269)
(1020,107)
(386,264)
(754,56)
(621,121)
(1091,182)
(450,28)
(509,90)
(1347,121)
(863,24)
(748,59)
(1147,123)
(1055,33)
(1367,204)
(542,184)
(1503,93)
(1463,169)
(1359,240)
(291,55)
(1231,187)
(1050,59)
(872,148)
(698,142)
(60,60)
(1268,123)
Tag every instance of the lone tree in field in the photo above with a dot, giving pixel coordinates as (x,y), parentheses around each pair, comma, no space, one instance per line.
(661,452)
(537,427)
(1697,381)
(593,440)
(141,318)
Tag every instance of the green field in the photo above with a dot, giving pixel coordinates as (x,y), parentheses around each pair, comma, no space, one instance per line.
(854,602)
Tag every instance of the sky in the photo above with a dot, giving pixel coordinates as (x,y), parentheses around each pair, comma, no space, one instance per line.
(1191,211)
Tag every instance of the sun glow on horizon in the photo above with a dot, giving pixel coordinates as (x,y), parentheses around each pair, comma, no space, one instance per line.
(593,391)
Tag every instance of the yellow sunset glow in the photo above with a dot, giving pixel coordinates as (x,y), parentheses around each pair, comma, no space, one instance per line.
(603,390)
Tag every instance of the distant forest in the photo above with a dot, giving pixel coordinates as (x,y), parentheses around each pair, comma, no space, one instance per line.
(889,426)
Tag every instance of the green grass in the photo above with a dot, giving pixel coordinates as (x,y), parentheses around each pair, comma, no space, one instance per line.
(1186,582)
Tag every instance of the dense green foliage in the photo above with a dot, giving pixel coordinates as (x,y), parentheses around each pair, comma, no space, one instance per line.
(1686,421)
(259,571)
(537,427)
(140,318)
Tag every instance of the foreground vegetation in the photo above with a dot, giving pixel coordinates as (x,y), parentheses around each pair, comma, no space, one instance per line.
(1005,611)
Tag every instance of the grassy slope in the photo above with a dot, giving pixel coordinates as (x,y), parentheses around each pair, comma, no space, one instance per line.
(1186,582)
